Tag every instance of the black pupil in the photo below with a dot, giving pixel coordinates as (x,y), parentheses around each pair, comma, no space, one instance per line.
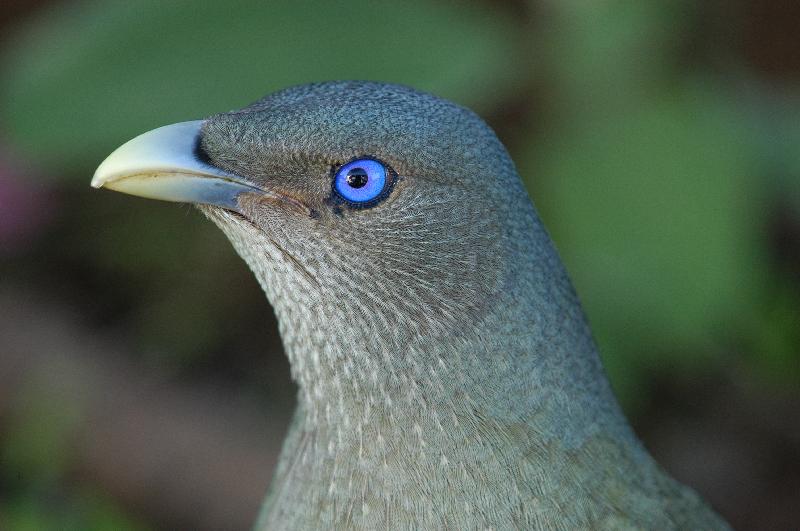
(357,177)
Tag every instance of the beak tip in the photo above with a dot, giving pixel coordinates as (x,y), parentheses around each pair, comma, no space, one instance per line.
(98,180)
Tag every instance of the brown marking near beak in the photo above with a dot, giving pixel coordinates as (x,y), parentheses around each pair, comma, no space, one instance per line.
(268,196)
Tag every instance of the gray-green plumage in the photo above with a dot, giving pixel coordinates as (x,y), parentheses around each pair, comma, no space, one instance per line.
(448,378)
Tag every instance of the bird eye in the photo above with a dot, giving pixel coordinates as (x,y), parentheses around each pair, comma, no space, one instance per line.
(362,182)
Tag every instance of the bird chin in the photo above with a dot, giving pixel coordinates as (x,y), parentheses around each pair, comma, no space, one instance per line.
(226,217)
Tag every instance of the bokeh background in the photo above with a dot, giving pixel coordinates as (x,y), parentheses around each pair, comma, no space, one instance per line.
(142,383)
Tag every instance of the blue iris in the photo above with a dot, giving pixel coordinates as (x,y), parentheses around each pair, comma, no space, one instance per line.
(361,182)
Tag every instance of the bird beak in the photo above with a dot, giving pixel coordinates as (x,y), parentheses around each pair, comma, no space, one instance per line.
(163,164)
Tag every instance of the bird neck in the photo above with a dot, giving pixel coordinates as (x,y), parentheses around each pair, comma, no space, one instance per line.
(511,385)
(519,395)
(529,358)
(521,351)
(500,370)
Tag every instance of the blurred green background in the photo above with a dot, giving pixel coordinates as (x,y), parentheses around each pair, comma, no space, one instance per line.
(142,383)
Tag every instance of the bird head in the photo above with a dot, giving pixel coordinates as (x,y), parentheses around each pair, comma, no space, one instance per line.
(374,193)
(378,220)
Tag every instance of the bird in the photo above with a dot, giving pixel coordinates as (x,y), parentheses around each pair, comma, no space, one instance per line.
(447,376)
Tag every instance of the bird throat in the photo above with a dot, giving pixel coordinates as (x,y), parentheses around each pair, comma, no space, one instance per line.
(395,422)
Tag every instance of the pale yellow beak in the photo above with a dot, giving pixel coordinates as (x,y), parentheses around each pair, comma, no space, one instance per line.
(163,164)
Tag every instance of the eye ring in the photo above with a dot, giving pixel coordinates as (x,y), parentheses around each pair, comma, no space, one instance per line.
(362,182)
